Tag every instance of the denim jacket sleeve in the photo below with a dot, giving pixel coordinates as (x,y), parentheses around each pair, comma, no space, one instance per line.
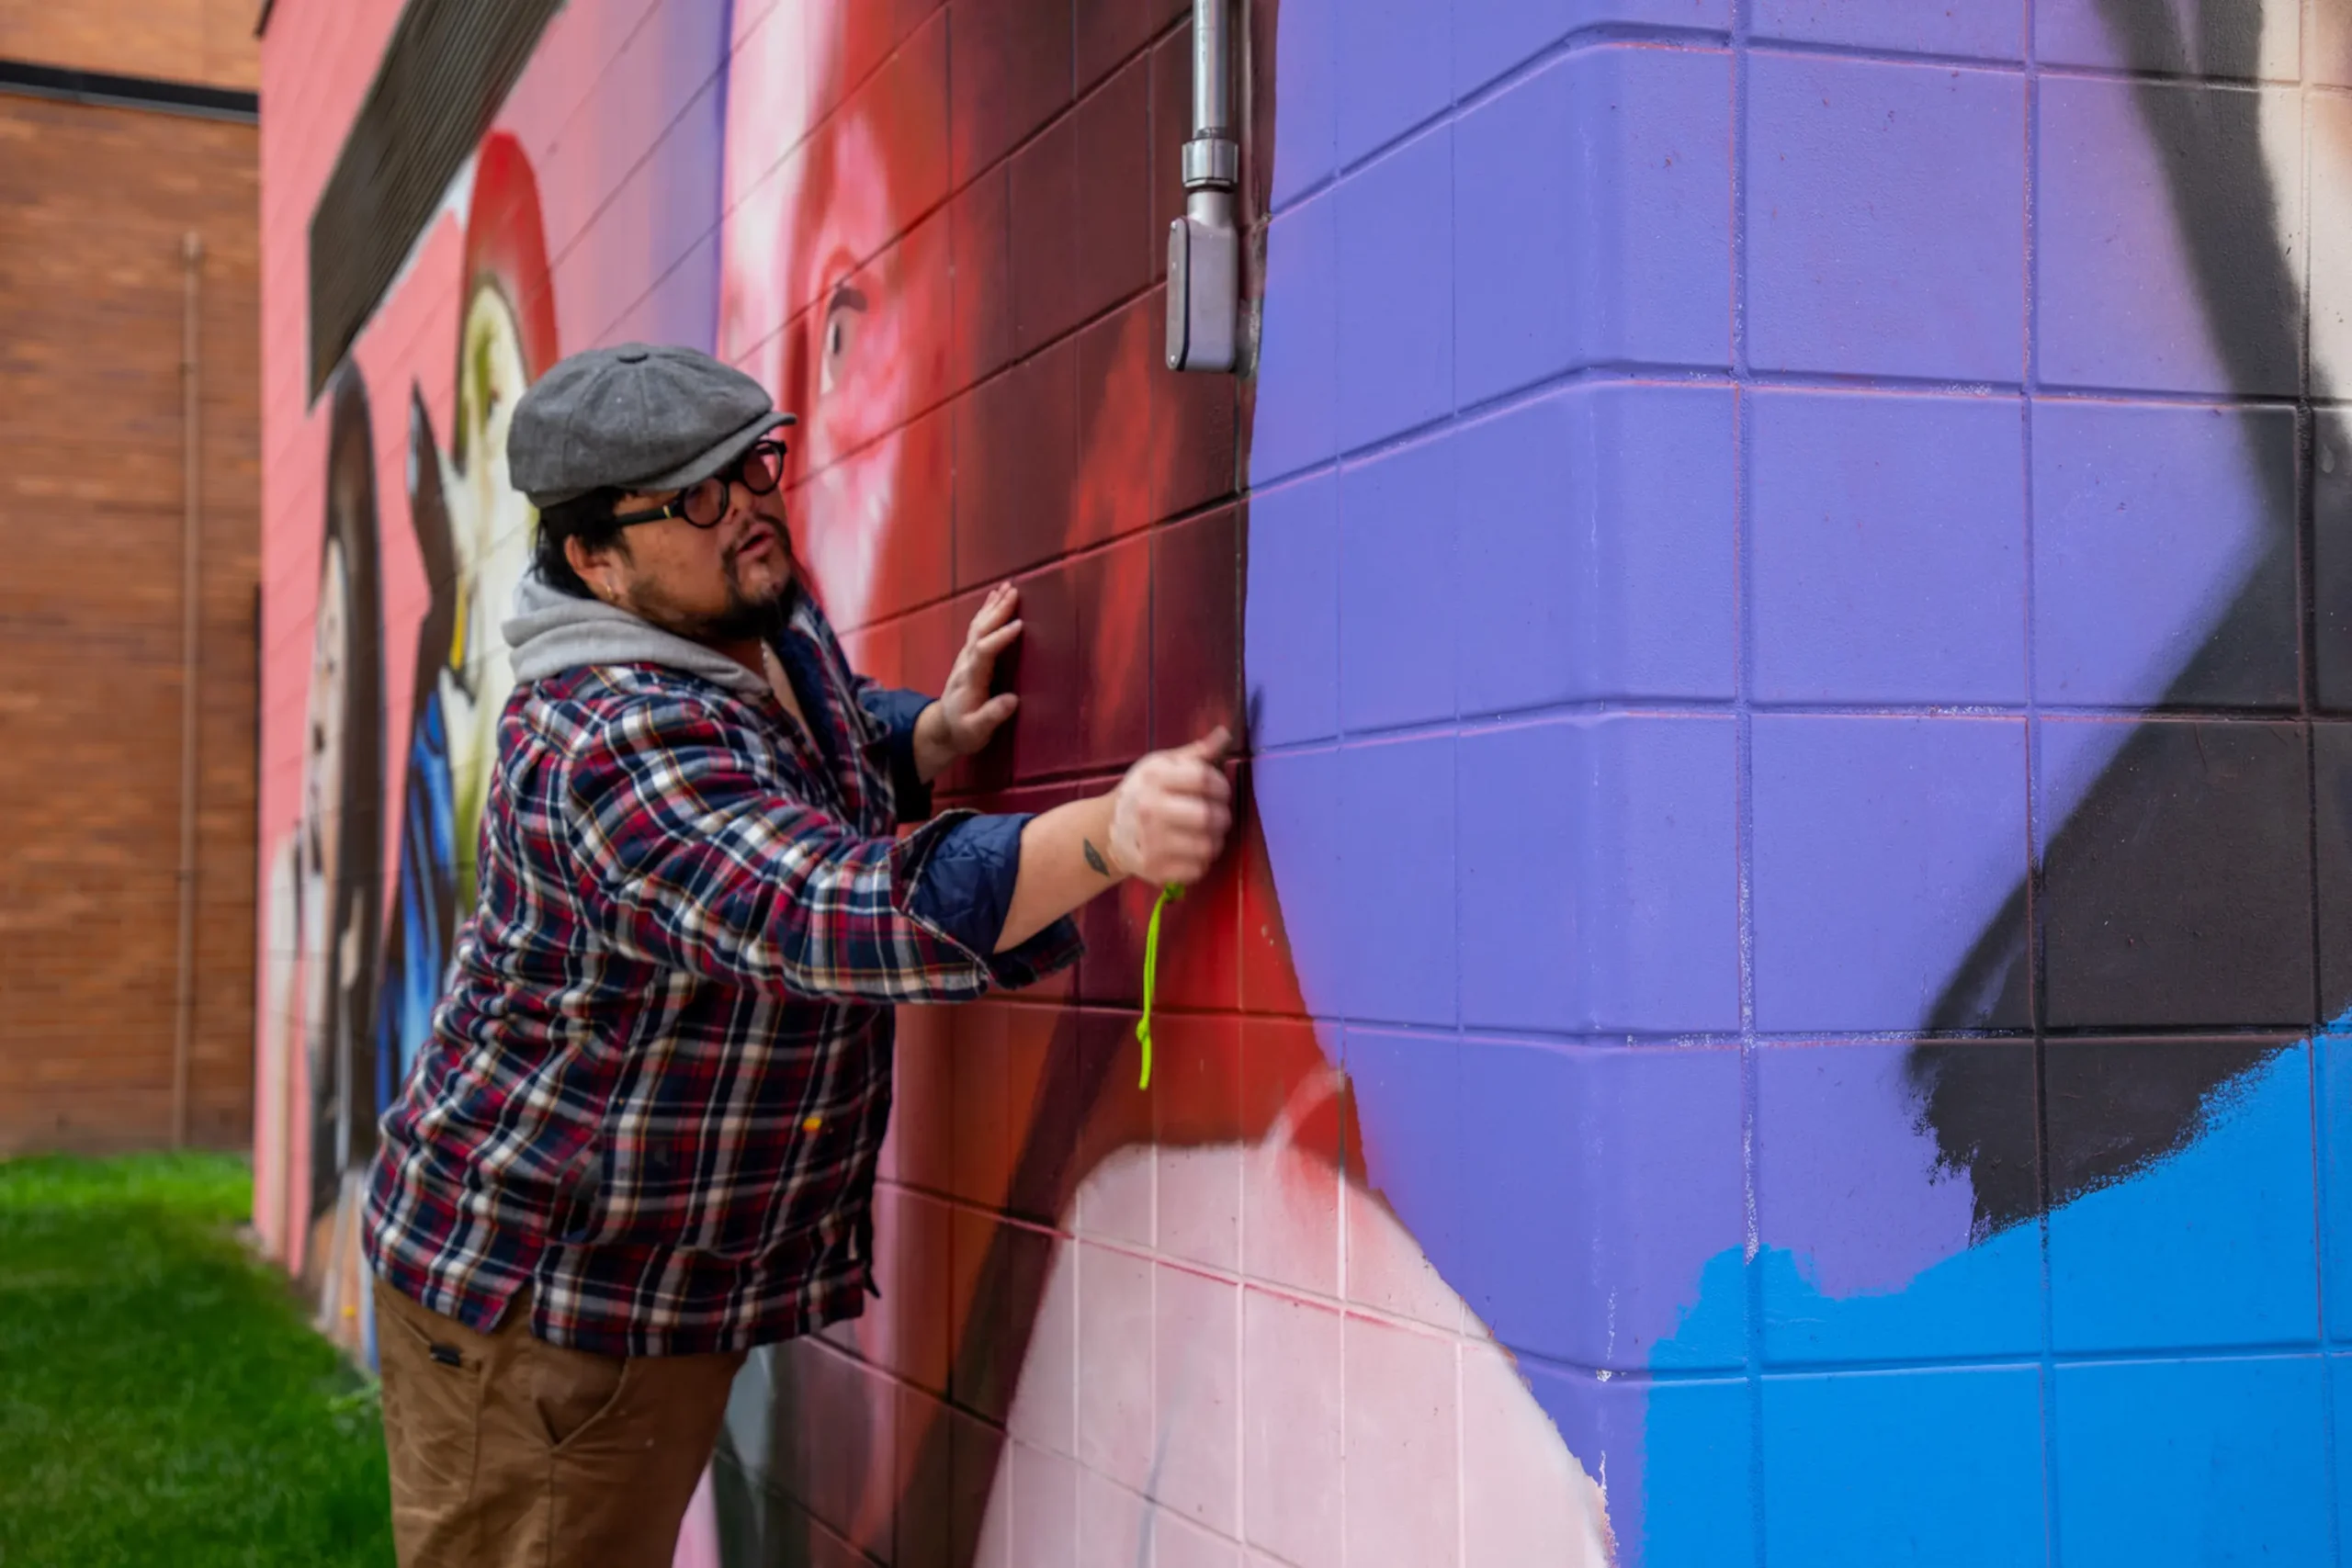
(896,712)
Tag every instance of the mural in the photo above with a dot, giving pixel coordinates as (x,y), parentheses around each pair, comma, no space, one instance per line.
(1779,994)
(365,969)
(473,536)
(315,1117)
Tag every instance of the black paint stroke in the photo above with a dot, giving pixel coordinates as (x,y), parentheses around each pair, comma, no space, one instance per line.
(442,77)
(2178,893)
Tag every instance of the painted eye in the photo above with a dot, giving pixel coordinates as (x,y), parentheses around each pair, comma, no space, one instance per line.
(844,315)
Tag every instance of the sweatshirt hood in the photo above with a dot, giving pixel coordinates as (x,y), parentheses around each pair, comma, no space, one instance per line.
(551,631)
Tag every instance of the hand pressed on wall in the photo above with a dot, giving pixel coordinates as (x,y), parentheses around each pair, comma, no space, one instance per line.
(966,717)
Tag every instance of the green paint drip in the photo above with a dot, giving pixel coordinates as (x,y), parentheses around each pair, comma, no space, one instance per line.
(1167,896)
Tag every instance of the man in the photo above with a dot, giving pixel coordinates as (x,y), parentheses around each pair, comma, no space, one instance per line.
(642,1137)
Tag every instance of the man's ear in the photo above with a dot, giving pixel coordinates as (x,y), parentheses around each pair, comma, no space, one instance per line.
(595,564)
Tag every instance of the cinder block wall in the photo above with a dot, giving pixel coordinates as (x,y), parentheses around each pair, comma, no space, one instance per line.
(1867,671)
(1782,568)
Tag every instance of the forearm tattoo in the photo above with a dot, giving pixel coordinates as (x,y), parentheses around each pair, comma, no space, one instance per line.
(1095,858)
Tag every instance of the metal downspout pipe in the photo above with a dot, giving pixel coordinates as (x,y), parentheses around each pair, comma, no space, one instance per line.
(191,647)
(1203,248)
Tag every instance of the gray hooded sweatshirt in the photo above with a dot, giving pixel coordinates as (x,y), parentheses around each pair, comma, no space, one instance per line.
(551,631)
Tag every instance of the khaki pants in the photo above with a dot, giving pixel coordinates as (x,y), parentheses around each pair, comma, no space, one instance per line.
(507,1450)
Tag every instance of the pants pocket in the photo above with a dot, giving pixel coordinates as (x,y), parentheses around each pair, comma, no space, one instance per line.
(572,1390)
(432,1389)
(622,1480)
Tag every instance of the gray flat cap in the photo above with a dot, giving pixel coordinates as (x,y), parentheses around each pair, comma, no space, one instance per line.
(635,416)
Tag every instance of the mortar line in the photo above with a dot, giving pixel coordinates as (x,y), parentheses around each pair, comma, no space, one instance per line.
(2036,907)
(1744,752)
(2308,436)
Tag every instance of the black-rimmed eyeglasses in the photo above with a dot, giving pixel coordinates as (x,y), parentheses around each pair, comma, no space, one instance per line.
(760,470)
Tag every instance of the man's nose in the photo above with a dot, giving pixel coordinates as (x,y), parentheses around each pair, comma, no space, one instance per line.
(743,504)
(739,513)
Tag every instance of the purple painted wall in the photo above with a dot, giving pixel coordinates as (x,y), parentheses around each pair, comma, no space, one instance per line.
(1788,578)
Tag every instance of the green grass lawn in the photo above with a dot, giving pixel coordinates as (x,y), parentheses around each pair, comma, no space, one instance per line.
(162,1398)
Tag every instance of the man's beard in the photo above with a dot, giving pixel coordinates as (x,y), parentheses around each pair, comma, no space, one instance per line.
(747,615)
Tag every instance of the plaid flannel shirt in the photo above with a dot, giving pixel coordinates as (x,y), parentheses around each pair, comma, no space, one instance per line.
(656,1088)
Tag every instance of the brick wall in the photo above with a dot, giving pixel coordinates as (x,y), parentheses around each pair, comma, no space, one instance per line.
(210,43)
(90,617)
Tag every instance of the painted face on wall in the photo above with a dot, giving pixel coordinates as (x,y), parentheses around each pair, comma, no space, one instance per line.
(491,528)
(787,256)
(843,291)
(322,722)
(852,357)
(318,846)
(491,516)
(319,976)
